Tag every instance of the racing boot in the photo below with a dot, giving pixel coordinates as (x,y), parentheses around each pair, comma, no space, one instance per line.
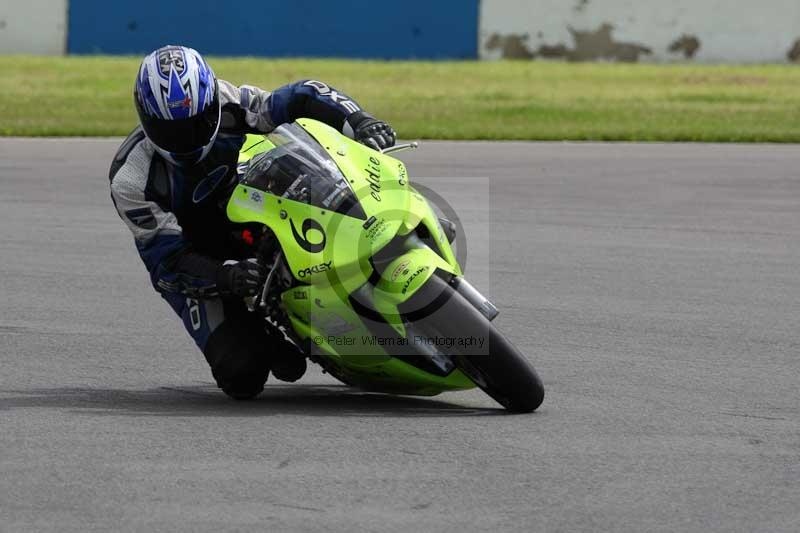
(287,362)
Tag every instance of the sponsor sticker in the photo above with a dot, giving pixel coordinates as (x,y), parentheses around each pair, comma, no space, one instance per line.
(369,222)
(401,270)
(413,276)
(316,269)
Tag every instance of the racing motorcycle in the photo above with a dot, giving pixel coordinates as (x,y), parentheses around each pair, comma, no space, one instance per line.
(362,275)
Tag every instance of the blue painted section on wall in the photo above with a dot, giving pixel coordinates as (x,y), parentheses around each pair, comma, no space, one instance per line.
(432,29)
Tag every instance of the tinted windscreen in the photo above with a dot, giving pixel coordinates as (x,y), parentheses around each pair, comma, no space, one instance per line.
(299,169)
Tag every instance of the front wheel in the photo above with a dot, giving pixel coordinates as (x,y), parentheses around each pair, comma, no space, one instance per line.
(495,364)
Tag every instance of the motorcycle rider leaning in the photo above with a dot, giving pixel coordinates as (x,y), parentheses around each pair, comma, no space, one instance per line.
(171,180)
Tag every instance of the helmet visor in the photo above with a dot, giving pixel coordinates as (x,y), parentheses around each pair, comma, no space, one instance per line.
(185,135)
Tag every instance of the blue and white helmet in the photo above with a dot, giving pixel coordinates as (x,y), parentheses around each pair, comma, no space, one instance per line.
(177,99)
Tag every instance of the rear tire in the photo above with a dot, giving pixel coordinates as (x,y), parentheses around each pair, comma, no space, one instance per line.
(496,366)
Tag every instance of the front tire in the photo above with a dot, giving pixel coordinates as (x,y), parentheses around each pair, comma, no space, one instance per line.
(497,366)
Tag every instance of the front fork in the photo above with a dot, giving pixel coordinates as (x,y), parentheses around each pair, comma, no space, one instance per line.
(475,298)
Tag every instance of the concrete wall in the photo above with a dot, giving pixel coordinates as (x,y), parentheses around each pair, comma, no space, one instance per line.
(709,31)
(712,31)
(33,26)
(311,28)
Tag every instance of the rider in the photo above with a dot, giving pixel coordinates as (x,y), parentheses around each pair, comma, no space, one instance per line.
(171,180)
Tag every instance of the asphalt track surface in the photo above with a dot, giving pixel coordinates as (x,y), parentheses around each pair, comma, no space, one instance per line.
(655,287)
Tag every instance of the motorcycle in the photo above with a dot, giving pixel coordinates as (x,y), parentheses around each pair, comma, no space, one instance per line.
(362,275)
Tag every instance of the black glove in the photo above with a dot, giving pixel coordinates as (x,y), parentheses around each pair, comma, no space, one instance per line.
(371,132)
(239,279)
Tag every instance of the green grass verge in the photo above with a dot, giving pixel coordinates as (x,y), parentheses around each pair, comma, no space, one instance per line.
(91,96)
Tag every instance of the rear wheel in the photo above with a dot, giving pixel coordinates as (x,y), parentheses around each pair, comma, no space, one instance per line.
(478,349)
